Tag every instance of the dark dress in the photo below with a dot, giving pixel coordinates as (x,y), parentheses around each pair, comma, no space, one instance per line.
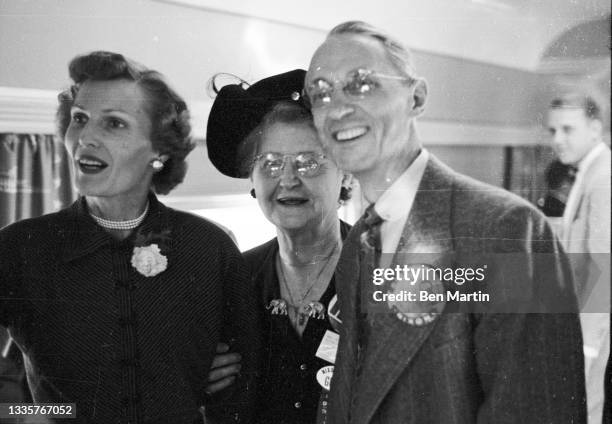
(124,347)
(288,392)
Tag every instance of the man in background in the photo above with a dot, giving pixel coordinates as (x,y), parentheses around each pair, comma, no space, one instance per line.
(575,125)
(402,362)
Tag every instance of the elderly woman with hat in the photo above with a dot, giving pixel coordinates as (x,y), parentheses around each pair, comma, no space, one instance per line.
(264,132)
(117,302)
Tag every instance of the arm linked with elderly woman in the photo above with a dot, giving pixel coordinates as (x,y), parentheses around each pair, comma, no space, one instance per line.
(117,302)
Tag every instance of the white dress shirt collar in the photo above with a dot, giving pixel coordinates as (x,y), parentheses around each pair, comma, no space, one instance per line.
(395,203)
(588,159)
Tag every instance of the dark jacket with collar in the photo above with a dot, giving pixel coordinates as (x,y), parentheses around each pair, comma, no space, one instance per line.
(121,346)
(288,390)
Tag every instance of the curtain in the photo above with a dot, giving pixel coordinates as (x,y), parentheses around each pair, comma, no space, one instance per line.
(34,176)
(35,179)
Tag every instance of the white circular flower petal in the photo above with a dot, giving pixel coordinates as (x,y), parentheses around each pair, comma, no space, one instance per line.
(148,260)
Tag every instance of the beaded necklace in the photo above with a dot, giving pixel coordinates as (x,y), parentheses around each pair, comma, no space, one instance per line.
(129,224)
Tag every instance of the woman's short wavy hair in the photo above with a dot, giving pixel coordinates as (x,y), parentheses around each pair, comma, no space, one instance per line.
(170,127)
(285,113)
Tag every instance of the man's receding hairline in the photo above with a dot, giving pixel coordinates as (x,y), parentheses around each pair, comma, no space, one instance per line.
(552,108)
(354,35)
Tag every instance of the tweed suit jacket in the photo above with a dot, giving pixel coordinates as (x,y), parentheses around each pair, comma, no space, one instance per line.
(468,367)
(122,346)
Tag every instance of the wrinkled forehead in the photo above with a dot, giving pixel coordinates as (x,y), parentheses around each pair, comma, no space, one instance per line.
(341,54)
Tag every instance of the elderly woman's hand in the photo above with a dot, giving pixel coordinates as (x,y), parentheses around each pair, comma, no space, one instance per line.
(224,369)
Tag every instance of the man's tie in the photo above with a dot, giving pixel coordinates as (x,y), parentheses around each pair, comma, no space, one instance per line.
(371,250)
(371,244)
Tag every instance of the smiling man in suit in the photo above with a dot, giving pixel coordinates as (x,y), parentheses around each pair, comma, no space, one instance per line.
(574,123)
(436,361)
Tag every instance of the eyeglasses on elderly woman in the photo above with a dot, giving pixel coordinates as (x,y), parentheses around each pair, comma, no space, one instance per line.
(307,164)
(358,84)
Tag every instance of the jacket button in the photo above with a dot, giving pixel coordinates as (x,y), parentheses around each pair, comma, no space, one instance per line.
(303,367)
(297,405)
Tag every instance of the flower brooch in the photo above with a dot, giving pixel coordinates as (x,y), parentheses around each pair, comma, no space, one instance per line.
(148,260)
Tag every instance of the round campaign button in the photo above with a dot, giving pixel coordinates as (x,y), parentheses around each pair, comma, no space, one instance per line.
(417,301)
(324,376)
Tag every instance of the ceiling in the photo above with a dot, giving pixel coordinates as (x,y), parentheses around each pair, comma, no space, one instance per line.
(511,33)
(191,40)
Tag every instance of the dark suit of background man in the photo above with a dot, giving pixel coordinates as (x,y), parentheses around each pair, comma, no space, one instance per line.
(574,122)
(409,364)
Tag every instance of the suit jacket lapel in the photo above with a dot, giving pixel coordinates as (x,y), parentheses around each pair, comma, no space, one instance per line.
(572,206)
(393,343)
(599,165)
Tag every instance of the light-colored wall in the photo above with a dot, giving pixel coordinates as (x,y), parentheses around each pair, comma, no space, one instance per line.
(190,45)
(483,87)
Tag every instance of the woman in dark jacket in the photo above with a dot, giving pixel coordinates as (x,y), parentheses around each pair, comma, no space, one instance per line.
(117,302)
(264,132)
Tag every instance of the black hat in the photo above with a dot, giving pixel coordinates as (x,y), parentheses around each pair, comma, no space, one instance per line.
(237,111)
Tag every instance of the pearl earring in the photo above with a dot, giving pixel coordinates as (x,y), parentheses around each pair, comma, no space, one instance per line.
(157,165)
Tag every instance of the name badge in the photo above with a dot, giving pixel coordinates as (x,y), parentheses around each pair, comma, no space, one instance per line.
(329,347)
(324,376)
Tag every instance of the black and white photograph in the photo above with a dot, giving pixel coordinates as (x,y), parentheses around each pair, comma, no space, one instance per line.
(326,212)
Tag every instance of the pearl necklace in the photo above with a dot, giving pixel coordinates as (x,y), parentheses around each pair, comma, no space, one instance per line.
(129,224)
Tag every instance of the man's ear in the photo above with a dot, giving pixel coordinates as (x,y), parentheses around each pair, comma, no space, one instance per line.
(596,127)
(419,96)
